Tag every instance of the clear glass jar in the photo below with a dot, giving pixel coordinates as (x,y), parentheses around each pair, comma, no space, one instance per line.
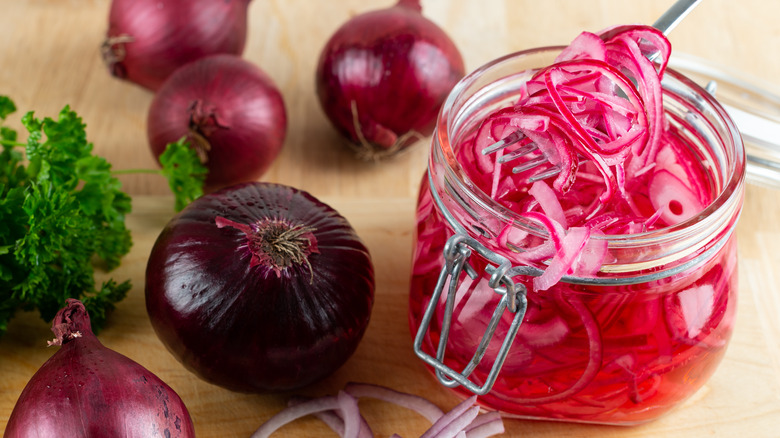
(623,347)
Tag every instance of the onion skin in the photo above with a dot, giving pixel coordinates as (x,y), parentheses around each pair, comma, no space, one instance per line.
(88,390)
(147,40)
(249,326)
(383,76)
(229,110)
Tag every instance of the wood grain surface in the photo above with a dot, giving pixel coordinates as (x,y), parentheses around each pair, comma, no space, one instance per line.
(49,57)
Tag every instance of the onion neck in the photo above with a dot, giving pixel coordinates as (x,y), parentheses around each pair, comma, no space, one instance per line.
(71,322)
(413,5)
(276,243)
(113,53)
(374,142)
(203,124)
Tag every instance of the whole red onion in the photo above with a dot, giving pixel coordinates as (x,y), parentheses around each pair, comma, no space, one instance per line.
(260,287)
(147,40)
(86,389)
(229,110)
(383,76)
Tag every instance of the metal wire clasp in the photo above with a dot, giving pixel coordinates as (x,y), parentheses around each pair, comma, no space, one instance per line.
(457,251)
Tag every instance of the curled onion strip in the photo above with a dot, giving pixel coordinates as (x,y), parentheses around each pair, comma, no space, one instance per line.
(418,404)
(572,245)
(553,229)
(485,425)
(595,358)
(335,420)
(454,418)
(596,114)
(342,414)
(292,413)
(548,201)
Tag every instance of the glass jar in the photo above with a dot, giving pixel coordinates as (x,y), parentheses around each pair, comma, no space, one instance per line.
(622,347)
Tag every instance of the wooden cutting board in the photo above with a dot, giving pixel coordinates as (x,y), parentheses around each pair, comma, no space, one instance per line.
(740,399)
(49,57)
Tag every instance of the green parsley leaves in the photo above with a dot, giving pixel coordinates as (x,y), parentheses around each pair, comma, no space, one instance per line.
(184,171)
(62,212)
(7,107)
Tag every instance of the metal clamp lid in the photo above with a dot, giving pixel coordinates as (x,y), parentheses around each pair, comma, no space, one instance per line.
(457,251)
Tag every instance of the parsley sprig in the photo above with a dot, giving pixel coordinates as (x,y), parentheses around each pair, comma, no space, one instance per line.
(62,213)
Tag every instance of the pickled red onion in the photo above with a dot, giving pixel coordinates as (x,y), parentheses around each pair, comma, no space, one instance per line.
(626,167)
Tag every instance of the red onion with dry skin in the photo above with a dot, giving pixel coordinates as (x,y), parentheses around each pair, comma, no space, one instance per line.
(260,287)
(383,76)
(229,110)
(86,389)
(147,40)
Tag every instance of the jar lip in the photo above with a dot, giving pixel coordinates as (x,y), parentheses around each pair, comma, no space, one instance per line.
(732,185)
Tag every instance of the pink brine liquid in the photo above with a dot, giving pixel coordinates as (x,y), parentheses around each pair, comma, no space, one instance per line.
(604,354)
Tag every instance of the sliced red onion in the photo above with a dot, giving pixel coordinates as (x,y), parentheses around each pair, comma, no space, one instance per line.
(563,261)
(341,413)
(292,413)
(595,356)
(549,202)
(413,402)
(455,420)
(351,412)
(673,197)
(485,425)
(335,420)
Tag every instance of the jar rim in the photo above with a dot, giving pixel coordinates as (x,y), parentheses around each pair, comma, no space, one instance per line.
(732,187)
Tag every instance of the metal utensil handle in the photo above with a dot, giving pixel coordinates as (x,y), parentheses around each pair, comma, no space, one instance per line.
(674,15)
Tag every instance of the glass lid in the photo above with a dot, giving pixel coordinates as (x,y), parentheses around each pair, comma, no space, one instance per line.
(752,104)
